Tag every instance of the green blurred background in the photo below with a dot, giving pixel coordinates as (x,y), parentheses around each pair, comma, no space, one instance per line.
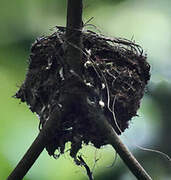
(148,22)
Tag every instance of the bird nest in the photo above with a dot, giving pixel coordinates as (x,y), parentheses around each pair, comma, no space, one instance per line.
(115,73)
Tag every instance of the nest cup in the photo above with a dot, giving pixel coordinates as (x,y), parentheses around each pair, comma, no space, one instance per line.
(115,73)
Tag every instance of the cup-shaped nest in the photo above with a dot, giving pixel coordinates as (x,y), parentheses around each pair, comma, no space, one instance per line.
(115,73)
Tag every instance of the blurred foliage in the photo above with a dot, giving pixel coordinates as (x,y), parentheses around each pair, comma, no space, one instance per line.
(148,23)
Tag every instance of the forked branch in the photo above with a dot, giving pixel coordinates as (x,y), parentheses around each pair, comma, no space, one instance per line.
(74,61)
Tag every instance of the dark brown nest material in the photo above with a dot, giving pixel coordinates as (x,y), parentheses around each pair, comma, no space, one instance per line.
(115,73)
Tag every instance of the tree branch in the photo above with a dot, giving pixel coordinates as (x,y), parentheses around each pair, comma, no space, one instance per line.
(74,35)
(74,40)
(35,149)
(120,148)
(83,163)
(74,59)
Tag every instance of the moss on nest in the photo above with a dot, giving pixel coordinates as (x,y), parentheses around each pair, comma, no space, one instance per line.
(115,73)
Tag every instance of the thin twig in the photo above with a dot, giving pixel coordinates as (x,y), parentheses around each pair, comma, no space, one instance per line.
(83,163)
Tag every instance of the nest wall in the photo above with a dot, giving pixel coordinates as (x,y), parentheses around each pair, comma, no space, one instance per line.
(115,73)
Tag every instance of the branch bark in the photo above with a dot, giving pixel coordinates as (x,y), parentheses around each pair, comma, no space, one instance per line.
(74,40)
(35,149)
(74,60)
(121,149)
(74,35)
